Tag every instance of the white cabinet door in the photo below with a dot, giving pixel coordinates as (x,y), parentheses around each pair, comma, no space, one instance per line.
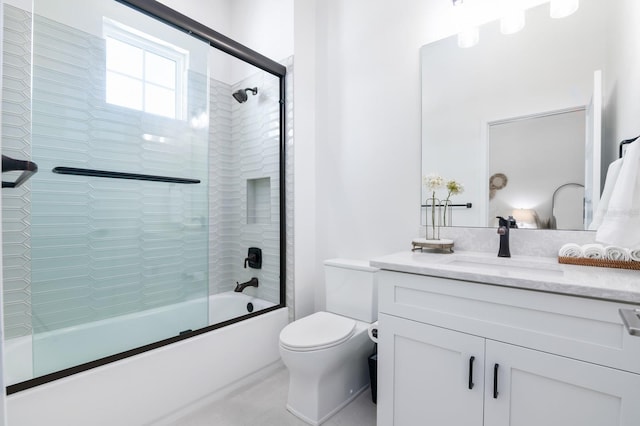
(536,388)
(424,375)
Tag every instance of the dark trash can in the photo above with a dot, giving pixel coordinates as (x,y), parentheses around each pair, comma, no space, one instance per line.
(373,376)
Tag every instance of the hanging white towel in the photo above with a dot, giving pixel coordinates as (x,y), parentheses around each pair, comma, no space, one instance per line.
(609,183)
(621,223)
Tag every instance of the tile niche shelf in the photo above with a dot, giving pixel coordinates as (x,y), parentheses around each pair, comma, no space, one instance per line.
(258,200)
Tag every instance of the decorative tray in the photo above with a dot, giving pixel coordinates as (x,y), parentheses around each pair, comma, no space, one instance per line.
(603,263)
(443,245)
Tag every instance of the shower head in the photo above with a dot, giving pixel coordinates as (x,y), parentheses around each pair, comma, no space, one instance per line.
(241,95)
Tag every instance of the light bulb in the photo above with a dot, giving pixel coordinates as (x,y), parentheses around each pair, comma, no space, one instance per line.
(468,33)
(512,22)
(468,37)
(563,8)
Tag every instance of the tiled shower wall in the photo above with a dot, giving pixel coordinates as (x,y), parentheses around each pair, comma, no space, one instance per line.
(224,205)
(244,195)
(244,158)
(106,247)
(16,143)
(230,234)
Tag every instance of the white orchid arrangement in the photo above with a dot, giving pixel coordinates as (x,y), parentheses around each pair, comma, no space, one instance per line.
(454,188)
(433,182)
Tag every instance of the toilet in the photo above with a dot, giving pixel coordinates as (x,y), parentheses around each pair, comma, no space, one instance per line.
(326,352)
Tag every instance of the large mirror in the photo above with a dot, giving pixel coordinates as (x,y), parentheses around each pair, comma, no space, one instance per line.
(529,122)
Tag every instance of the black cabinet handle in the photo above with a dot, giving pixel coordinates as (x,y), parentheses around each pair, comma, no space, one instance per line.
(495,381)
(473,358)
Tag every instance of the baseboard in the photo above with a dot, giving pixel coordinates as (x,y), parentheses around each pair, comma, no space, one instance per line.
(328,416)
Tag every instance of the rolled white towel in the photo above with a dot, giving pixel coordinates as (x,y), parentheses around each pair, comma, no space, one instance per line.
(634,254)
(616,253)
(593,251)
(570,250)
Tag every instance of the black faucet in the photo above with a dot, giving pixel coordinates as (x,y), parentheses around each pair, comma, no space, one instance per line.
(503,230)
(253,282)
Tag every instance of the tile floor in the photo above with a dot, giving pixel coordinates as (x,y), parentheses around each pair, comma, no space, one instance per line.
(263,404)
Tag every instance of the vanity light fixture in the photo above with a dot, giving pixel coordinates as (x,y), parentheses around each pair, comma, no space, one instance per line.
(563,8)
(469,34)
(511,22)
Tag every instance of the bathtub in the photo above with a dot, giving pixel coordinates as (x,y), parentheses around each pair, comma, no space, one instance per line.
(106,337)
(225,306)
(147,386)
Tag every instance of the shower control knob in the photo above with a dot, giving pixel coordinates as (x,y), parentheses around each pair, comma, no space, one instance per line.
(254,258)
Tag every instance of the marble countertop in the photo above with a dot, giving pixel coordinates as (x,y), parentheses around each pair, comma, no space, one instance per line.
(524,272)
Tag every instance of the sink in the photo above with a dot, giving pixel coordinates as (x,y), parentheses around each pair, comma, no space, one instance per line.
(504,266)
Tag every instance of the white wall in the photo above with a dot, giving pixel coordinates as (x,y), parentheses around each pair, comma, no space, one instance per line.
(307,268)
(265,26)
(368,128)
(622,107)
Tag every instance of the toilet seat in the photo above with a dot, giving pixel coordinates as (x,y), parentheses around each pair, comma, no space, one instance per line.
(317,331)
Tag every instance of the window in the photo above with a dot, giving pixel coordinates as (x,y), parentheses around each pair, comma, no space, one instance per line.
(143,72)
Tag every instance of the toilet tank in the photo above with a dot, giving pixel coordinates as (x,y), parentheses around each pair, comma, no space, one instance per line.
(351,289)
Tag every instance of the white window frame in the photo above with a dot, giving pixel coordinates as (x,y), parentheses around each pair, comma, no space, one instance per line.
(148,43)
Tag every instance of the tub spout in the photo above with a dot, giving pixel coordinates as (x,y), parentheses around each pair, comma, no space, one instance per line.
(253,282)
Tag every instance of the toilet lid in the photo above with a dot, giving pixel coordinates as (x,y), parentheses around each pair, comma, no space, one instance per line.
(317,331)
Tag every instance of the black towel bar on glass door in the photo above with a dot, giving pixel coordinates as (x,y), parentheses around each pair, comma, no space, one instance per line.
(120,175)
(11,164)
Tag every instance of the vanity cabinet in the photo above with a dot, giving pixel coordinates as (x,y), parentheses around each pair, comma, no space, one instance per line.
(461,353)
(537,388)
(429,369)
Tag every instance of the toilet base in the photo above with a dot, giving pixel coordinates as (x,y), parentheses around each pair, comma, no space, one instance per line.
(328,415)
(322,382)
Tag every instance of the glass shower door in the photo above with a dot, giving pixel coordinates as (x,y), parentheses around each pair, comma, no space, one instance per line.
(119,223)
